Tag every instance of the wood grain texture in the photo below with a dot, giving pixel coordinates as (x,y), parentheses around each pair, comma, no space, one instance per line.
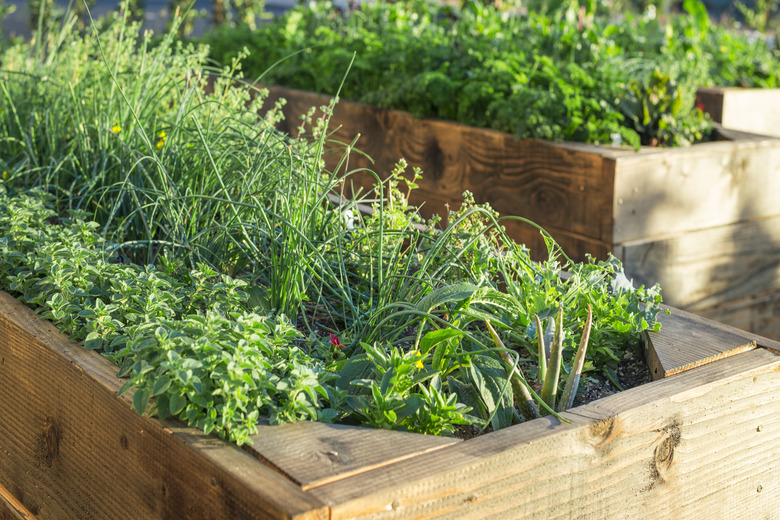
(11,507)
(680,447)
(662,192)
(755,110)
(608,195)
(702,269)
(686,341)
(70,448)
(702,444)
(759,313)
(314,454)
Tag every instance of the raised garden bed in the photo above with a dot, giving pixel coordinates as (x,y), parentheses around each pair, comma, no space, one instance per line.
(704,221)
(755,110)
(684,446)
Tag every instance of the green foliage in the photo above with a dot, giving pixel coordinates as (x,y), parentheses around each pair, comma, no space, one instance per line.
(159,218)
(654,108)
(556,76)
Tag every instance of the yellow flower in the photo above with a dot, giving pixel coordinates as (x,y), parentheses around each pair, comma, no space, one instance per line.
(418,363)
(162,135)
(160,144)
(5,175)
(116,129)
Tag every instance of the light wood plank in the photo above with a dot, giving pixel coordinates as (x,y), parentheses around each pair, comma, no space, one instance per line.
(759,313)
(314,454)
(662,192)
(755,110)
(682,447)
(72,449)
(684,344)
(704,268)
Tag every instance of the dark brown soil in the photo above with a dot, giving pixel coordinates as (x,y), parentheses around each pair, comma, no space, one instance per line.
(632,371)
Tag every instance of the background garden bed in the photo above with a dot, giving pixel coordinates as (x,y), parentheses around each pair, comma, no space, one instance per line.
(704,221)
(682,446)
(755,110)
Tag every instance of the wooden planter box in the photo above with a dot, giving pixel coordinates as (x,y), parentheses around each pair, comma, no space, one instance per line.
(755,110)
(703,221)
(704,443)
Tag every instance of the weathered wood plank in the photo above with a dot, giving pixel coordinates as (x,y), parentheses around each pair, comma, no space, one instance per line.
(611,195)
(314,454)
(683,447)
(711,266)
(72,449)
(755,110)
(759,313)
(661,192)
(688,341)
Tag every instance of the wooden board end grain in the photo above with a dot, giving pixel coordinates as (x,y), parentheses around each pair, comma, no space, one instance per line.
(70,448)
(687,341)
(683,447)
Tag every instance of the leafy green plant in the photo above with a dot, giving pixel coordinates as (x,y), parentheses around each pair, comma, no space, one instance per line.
(157,216)
(548,76)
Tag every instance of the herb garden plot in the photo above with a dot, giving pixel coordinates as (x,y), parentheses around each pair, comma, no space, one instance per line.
(703,221)
(682,446)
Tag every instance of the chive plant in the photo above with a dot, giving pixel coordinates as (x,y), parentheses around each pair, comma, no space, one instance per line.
(207,260)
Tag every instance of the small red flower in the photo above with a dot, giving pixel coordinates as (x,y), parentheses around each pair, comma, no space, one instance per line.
(334,340)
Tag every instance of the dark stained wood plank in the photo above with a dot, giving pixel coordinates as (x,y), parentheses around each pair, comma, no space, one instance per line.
(314,454)
(682,447)
(704,268)
(72,449)
(559,185)
(711,101)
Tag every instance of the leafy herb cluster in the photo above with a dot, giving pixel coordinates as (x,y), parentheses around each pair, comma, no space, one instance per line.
(267,298)
(558,75)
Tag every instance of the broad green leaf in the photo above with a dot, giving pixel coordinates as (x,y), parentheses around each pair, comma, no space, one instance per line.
(161,385)
(492,383)
(435,337)
(141,400)
(93,341)
(176,403)
(448,294)
(163,408)
(357,367)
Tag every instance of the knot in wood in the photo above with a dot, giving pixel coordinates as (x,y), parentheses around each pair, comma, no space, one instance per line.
(663,455)
(603,432)
(49,442)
